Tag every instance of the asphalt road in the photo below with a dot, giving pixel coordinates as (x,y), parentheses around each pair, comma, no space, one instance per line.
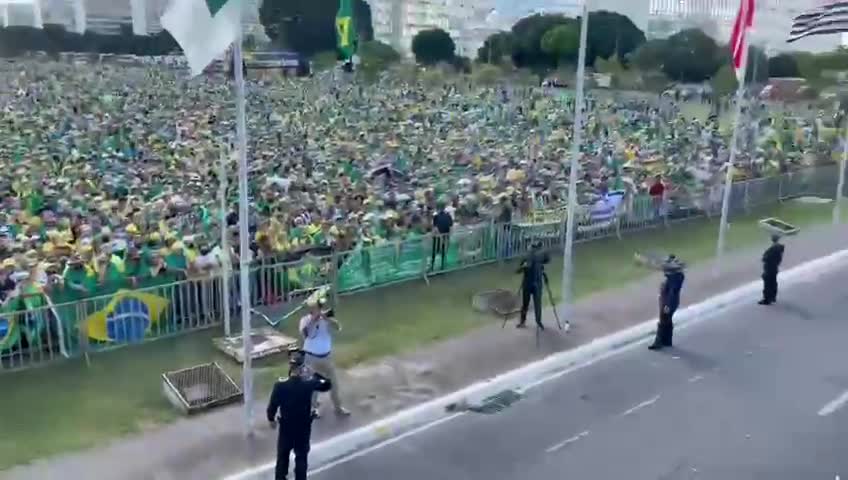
(757,393)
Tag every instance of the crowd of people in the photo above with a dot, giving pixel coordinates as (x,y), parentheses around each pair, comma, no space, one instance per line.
(112,175)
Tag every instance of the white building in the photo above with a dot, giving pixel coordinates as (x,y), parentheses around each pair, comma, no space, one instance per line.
(667,17)
(101,16)
(396,22)
(21,13)
(469,22)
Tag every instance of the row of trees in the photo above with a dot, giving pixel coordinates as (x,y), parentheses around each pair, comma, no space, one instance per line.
(54,39)
(544,41)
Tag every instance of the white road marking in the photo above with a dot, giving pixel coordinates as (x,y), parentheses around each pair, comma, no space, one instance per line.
(696,378)
(719,305)
(642,405)
(567,441)
(384,443)
(834,405)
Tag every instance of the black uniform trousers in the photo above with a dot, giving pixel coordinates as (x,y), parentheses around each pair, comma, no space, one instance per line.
(534,291)
(440,245)
(297,440)
(665,328)
(769,287)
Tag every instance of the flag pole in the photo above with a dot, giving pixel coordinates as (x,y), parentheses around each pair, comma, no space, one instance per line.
(244,240)
(728,180)
(226,261)
(576,141)
(840,185)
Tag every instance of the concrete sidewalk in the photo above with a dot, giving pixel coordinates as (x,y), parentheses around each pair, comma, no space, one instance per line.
(213,445)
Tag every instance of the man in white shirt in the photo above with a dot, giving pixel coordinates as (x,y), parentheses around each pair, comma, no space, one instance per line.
(318,346)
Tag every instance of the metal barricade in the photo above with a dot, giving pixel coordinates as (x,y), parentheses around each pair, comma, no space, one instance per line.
(125,317)
(31,337)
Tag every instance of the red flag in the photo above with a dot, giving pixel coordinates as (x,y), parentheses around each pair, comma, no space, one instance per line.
(739,40)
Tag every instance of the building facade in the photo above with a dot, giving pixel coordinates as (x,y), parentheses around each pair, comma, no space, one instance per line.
(396,22)
(469,22)
(103,16)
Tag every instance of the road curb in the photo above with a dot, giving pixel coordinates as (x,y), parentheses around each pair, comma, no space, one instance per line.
(417,418)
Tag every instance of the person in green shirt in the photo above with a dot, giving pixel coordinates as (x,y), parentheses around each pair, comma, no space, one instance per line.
(135,267)
(80,282)
(113,274)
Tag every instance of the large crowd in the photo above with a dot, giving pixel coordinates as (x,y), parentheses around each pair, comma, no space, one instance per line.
(111,175)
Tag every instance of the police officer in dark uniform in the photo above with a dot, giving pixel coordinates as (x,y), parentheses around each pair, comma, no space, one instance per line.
(669,301)
(533,270)
(290,407)
(772,258)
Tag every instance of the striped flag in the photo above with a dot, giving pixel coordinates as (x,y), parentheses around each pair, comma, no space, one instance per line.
(823,20)
(739,40)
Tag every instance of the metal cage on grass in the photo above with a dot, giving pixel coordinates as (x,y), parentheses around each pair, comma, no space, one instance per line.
(200,388)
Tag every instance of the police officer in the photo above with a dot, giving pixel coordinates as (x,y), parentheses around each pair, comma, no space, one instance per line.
(772,258)
(290,407)
(669,301)
(533,270)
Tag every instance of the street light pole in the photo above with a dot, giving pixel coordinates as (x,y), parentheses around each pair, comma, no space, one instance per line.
(576,141)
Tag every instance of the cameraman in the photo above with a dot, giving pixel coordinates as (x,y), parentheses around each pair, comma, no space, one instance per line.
(318,346)
(291,398)
(533,269)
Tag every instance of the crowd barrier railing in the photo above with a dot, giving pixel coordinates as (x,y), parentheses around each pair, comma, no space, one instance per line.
(50,331)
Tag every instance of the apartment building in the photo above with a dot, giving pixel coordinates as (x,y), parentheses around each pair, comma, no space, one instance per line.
(468,22)
(21,13)
(102,16)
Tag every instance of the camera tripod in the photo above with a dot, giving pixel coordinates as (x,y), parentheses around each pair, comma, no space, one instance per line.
(566,326)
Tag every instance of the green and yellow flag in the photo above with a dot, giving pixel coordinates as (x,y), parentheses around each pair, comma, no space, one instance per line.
(346,30)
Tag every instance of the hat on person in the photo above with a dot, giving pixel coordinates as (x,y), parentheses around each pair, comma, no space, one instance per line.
(672,264)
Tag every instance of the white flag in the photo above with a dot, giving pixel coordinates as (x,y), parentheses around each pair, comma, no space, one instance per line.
(203,28)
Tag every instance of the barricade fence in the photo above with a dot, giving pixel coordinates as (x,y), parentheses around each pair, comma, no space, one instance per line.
(36,330)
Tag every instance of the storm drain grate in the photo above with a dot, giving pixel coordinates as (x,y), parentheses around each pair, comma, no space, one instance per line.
(497,403)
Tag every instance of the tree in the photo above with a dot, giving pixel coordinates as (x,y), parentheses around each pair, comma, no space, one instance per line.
(757,64)
(496,47)
(724,82)
(562,42)
(611,34)
(783,65)
(836,60)
(433,46)
(650,55)
(377,56)
(323,61)
(309,26)
(527,47)
(691,56)
(461,64)
(807,65)
(487,74)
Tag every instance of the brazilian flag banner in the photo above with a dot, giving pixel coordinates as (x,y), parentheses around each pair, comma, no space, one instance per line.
(127,318)
(346,30)
(25,316)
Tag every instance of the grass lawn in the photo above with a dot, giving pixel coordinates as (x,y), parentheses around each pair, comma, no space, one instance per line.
(71,406)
